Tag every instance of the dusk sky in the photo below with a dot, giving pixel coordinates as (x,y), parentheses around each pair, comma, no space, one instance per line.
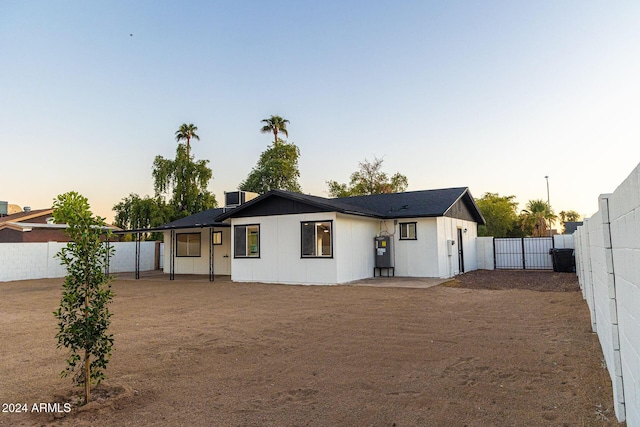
(493,95)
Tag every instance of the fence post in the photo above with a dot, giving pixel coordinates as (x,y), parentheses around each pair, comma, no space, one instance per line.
(494,253)
(524,266)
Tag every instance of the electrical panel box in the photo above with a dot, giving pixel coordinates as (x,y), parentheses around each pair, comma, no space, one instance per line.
(383,246)
(450,244)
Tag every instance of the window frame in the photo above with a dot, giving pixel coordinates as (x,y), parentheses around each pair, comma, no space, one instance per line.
(415,230)
(187,242)
(246,227)
(331,238)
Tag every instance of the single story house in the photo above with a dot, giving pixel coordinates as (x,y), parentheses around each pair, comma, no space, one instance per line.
(286,237)
(31,226)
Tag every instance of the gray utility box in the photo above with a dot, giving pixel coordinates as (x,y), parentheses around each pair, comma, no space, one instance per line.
(383,251)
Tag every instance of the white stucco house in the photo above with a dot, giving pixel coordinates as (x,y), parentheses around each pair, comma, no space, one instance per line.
(293,238)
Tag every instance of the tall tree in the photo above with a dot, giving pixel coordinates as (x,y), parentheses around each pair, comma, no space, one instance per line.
(275,125)
(180,187)
(185,133)
(184,181)
(83,315)
(277,168)
(500,213)
(538,217)
(369,179)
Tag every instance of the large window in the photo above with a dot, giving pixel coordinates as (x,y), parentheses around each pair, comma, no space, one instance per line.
(247,241)
(188,244)
(317,239)
(408,231)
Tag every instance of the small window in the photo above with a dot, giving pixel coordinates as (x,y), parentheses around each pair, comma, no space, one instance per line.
(247,241)
(188,244)
(217,238)
(317,239)
(408,231)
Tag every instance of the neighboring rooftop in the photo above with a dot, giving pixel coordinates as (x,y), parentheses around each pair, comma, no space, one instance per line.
(25,216)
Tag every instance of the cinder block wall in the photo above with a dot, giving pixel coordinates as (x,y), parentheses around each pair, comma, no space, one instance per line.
(608,260)
(22,261)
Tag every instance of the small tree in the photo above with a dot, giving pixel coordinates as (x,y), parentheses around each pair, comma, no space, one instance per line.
(83,315)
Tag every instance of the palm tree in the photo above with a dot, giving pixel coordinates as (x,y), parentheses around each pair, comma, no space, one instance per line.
(275,124)
(187,131)
(536,215)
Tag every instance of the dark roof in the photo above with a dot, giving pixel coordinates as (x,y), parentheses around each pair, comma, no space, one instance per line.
(426,203)
(201,219)
(571,226)
(206,218)
(412,204)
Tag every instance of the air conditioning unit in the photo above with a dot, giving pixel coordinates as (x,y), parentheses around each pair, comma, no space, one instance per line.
(233,199)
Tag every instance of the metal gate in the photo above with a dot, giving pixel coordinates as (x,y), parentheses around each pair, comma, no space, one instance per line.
(523,253)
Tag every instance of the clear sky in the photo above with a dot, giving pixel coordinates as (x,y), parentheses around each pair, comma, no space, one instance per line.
(493,95)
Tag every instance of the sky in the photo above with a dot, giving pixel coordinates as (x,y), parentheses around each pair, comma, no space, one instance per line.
(490,95)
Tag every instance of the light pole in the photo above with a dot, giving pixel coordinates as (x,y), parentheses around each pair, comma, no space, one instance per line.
(549,205)
(548,201)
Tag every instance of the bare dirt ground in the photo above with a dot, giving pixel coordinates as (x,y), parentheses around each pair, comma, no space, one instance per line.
(191,352)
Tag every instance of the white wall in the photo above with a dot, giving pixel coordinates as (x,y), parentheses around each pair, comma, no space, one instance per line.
(280,260)
(353,250)
(354,247)
(608,266)
(200,264)
(484,251)
(448,254)
(22,261)
(419,257)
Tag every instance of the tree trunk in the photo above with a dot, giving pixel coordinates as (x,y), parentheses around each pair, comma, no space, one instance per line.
(87,362)
(87,377)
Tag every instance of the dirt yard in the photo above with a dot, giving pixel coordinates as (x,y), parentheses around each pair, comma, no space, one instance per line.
(490,348)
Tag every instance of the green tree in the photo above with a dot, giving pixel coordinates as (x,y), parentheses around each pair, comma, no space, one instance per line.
(180,187)
(184,181)
(369,179)
(275,124)
(185,133)
(136,213)
(537,218)
(83,315)
(277,168)
(501,215)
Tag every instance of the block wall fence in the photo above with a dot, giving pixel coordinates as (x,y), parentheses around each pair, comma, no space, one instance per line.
(22,261)
(608,267)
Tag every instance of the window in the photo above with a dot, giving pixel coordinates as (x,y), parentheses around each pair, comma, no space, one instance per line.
(247,241)
(317,240)
(188,244)
(217,238)
(408,231)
